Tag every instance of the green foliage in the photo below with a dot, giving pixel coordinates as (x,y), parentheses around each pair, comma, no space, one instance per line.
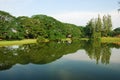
(116,32)
(107,25)
(26,27)
(97,28)
(54,28)
(47,27)
(93,28)
(89,29)
(73,30)
(57,30)
(40,39)
(32,27)
(9,28)
(83,31)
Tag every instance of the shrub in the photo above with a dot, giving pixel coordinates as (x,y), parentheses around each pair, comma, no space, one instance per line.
(40,39)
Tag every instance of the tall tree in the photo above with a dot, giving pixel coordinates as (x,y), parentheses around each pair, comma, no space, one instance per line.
(98,24)
(93,28)
(89,29)
(107,25)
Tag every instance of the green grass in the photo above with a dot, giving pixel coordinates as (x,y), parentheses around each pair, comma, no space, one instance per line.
(86,39)
(106,39)
(28,41)
(66,39)
(110,39)
(18,42)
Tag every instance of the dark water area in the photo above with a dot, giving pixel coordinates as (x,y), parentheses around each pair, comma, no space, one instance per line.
(80,60)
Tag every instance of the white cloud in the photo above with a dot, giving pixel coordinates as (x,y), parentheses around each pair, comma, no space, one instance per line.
(81,18)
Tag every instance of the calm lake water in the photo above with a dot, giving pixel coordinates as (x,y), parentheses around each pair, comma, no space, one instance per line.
(84,60)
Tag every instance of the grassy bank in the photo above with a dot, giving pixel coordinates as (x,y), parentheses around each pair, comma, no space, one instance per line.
(18,42)
(28,41)
(110,39)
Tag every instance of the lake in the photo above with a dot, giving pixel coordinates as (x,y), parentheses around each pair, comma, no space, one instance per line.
(80,60)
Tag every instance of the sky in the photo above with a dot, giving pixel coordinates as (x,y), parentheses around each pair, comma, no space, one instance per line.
(77,12)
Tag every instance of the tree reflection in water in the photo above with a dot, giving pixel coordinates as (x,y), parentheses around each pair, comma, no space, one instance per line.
(44,53)
(98,51)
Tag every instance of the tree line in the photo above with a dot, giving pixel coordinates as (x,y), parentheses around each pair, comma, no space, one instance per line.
(46,27)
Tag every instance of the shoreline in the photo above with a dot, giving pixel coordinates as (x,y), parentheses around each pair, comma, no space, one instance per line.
(29,41)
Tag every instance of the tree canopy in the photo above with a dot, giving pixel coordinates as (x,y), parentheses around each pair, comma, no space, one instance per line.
(32,27)
(44,26)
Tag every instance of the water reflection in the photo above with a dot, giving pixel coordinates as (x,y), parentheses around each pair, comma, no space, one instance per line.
(44,53)
(98,51)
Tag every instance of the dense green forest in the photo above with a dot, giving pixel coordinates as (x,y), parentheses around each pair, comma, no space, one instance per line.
(46,27)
